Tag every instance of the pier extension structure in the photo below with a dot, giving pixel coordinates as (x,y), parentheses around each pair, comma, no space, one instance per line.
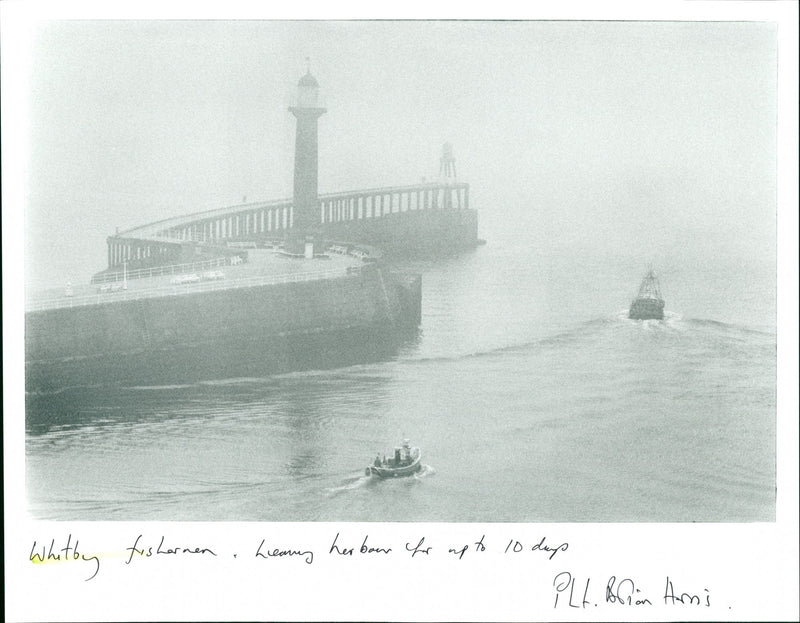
(421,219)
(430,218)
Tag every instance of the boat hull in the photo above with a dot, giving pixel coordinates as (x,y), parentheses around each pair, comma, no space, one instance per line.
(397,472)
(647,309)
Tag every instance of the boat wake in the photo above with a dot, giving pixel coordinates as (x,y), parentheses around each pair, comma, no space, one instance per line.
(425,471)
(351,484)
(671,320)
(616,328)
(354,483)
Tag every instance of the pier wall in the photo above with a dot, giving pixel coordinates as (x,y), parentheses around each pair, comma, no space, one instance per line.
(263,329)
(428,232)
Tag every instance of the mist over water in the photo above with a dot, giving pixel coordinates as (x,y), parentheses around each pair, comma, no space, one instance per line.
(650,141)
(592,149)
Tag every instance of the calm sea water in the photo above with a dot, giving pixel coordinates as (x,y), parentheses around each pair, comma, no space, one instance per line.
(531,394)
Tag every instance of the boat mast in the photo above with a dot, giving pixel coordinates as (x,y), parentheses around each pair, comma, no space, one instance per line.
(649,288)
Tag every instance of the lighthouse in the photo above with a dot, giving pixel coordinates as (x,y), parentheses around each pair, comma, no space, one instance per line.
(307,110)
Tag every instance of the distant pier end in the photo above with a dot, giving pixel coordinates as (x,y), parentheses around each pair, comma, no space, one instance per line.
(427,219)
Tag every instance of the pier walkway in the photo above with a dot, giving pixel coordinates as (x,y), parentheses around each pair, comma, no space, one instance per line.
(264,267)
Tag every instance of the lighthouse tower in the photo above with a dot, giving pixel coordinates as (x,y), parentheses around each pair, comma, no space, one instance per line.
(306,221)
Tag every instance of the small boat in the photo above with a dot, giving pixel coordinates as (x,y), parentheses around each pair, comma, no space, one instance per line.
(405,462)
(648,304)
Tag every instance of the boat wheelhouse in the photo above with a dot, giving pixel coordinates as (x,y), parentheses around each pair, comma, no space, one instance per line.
(405,462)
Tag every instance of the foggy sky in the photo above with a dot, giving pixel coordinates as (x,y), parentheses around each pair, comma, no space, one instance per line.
(639,139)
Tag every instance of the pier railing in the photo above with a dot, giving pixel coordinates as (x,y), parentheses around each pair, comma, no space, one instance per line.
(343,205)
(188,288)
(158,230)
(249,221)
(169,269)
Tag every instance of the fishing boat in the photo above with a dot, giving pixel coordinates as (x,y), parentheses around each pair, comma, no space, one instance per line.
(648,304)
(405,462)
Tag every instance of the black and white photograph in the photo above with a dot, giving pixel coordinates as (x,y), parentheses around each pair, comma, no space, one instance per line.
(450,271)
